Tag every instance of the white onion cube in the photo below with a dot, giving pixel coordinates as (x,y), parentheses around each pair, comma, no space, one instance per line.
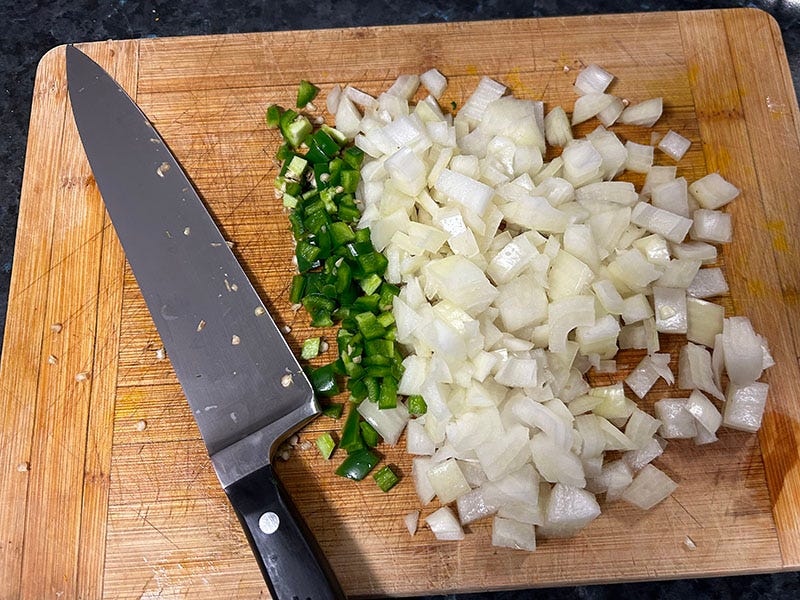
(649,487)
(419,473)
(670,309)
(641,428)
(588,105)
(744,406)
(672,196)
(557,128)
(702,409)
(411,519)
(464,190)
(613,479)
(674,145)
(434,82)
(645,113)
(447,480)
(475,505)
(417,439)
(704,321)
(556,464)
(712,191)
(676,421)
(708,283)
(744,356)
(444,525)
(637,459)
(702,251)
(513,534)
(504,454)
(711,226)
(640,157)
(388,422)
(569,509)
(656,220)
(695,371)
(582,162)
(593,80)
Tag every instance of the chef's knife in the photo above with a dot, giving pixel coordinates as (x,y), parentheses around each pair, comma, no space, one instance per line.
(244,386)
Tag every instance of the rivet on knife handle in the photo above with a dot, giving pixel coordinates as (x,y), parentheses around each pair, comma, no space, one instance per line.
(289,558)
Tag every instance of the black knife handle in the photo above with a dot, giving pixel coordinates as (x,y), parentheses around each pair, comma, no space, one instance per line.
(290,559)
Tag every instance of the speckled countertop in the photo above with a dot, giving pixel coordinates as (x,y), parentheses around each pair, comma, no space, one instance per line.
(31,28)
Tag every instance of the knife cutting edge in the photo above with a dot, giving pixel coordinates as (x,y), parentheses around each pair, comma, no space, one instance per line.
(244,386)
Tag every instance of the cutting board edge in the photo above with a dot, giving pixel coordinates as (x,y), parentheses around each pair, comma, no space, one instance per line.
(59,49)
(422,25)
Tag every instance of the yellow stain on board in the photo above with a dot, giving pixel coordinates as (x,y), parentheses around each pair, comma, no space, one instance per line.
(720,158)
(756,287)
(514,81)
(692,72)
(129,402)
(471,70)
(777,230)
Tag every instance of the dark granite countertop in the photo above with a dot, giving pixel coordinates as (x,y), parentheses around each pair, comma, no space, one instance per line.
(31,28)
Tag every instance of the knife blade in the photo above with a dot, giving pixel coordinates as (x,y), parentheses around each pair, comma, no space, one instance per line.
(243,384)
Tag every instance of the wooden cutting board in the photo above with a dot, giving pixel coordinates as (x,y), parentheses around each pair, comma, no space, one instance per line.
(94,505)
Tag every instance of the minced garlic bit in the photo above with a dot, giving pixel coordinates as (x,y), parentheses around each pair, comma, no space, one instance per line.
(286,380)
(24,467)
(318,120)
(200,325)
(82,376)
(141,425)
(323,346)
(259,311)
(234,287)
(52,360)
(227,285)
(294,440)
(286,329)
(235,340)
(56,327)
(161,354)
(163,168)
(230,243)
(285,455)
(689,543)
(187,230)
(566,69)
(310,107)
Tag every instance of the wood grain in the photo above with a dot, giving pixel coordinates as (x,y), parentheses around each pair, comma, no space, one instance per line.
(114,509)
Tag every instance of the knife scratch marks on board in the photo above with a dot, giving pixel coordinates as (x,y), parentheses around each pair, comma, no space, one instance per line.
(678,502)
(143,517)
(622,46)
(242,199)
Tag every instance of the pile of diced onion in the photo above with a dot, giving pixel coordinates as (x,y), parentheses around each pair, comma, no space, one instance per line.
(519,275)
